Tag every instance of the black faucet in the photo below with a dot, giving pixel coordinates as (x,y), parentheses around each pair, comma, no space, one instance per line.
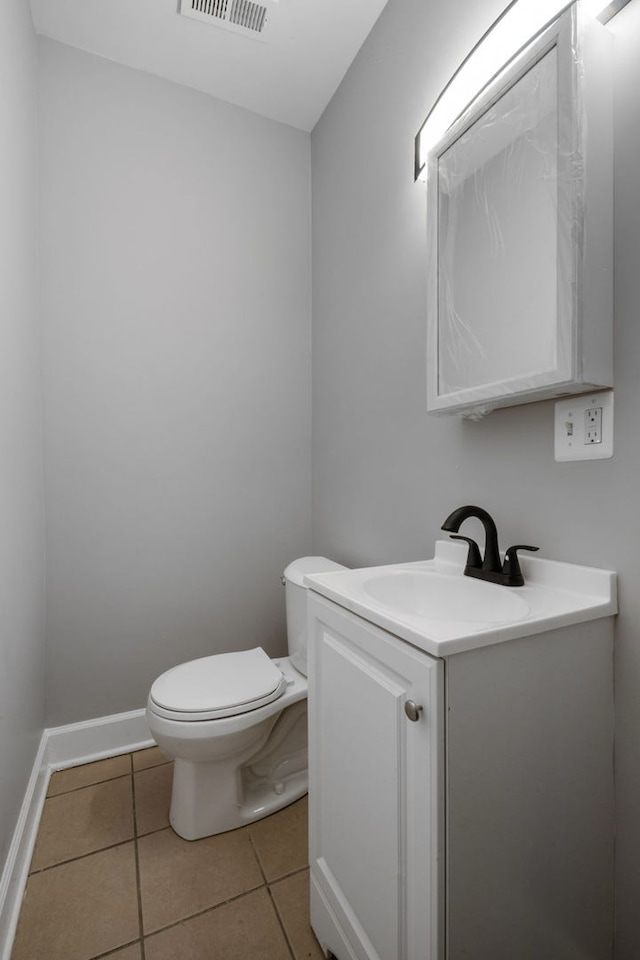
(491,568)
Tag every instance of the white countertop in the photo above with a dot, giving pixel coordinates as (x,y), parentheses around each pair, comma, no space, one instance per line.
(556,594)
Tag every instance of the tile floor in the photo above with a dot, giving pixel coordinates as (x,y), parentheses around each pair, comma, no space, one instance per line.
(110,879)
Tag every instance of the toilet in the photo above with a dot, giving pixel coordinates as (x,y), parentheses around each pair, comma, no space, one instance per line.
(236,725)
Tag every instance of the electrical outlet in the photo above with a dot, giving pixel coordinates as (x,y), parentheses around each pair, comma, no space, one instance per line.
(593,425)
(584,427)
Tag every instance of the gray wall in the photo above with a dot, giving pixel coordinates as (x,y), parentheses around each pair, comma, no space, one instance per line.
(21,496)
(176,311)
(385,475)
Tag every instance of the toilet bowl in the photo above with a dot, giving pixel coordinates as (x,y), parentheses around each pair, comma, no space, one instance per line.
(236,726)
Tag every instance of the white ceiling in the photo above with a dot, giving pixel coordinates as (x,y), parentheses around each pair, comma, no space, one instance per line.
(291,77)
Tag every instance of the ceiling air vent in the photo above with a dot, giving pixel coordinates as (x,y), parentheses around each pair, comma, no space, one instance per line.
(247,17)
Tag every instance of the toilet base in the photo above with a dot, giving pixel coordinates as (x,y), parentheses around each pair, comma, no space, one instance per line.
(192,820)
(215,796)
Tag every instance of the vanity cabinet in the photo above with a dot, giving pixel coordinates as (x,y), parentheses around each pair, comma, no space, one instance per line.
(376,791)
(461,807)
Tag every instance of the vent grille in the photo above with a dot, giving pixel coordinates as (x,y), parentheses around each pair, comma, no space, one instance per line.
(240,16)
(248,15)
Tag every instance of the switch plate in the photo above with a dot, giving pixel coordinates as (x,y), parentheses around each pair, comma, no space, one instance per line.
(584,427)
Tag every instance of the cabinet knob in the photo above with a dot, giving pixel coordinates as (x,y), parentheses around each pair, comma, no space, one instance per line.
(412,710)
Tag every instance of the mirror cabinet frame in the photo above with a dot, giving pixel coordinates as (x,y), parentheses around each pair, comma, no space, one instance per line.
(583,356)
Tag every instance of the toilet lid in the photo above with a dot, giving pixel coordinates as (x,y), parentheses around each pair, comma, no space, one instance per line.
(220,686)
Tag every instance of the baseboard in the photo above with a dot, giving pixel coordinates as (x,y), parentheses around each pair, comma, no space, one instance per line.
(59,747)
(96,739)
(16,868)
(326,926)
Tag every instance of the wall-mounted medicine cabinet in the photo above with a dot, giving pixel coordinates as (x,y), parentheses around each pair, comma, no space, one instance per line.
(520,230)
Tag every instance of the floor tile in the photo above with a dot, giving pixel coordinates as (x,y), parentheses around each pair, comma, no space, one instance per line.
(64,780)
(86,820)
(291,897)
(246,929)
(80,909)
(149,758)
(179,878)
(281,840)
(153,798)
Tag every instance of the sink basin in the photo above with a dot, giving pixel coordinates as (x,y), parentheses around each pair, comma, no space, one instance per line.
(431,604)
(434,596)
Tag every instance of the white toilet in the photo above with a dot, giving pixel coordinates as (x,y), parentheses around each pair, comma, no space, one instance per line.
(236,725)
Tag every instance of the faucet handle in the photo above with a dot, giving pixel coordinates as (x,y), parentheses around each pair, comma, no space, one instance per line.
(474,559)
(511,566)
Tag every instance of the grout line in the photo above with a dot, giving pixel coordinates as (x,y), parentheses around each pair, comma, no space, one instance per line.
(150,833)
(152,766)
(270,895)
(86,786)
(285,876)
(281,922)
(112,953)
(83,856)
(200,913)
(118,776)
(257,856)
(137,861)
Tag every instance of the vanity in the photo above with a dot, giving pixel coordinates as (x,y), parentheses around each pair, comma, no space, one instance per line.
(461,762)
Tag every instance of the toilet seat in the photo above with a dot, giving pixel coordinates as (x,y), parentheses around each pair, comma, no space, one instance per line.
(224,685)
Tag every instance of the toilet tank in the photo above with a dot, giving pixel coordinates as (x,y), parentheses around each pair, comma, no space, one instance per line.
(296,602)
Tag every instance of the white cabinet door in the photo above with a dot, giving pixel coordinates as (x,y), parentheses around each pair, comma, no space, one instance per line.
(376,791)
